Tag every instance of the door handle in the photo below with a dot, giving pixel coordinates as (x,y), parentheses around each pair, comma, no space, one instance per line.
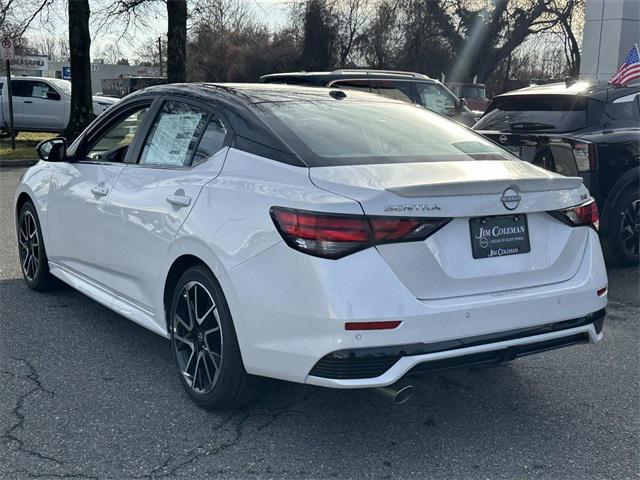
(27,101)
(100,190)
(179,200)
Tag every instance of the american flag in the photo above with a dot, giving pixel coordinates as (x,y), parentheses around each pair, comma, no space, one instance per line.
(630,69)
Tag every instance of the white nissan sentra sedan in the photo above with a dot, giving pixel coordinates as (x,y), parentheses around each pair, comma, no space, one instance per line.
(320,236)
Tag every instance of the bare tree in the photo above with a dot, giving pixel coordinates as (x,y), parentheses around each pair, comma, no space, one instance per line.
(81,113)
(351,18)
(111,53)
(482,37)
(382,36)
(17,15)
(131,14)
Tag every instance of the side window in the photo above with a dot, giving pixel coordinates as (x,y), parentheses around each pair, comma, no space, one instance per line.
(113,144)
(44,90)
(174,135)
(21,88)
(624,109)
(212,141)
(395,90)
(435,98)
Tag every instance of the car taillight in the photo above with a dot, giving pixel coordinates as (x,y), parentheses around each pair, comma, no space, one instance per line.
(336,235)
(585,155)
(581,215)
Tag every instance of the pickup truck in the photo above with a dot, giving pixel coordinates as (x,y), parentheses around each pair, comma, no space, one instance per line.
(41,104)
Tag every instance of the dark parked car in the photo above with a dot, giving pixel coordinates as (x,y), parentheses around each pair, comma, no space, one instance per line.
(407,86)
(586,130)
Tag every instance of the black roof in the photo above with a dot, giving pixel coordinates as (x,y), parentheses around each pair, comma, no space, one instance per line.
(255,93)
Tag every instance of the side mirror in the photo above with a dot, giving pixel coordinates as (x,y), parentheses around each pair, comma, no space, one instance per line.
(462,105)
(53,95)
(54,150)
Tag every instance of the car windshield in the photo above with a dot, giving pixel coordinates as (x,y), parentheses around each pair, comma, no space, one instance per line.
(62,85)
(551,113)
(342,132)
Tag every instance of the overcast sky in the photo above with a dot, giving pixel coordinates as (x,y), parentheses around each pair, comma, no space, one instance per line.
(271,12)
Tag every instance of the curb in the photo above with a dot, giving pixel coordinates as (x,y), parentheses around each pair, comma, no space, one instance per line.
(11,162)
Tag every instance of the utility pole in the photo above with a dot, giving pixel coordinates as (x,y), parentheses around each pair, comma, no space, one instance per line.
(12,130)
(7,51)
(160,53)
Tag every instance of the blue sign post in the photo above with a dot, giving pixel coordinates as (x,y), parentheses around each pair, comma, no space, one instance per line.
(66,73)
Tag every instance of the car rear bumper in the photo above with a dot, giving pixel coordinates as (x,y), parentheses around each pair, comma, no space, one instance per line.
(380,366)
(290,311)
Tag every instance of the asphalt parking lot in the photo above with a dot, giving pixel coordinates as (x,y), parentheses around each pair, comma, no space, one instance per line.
(85,393)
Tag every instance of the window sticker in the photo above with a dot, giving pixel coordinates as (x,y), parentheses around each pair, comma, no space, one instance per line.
(172,138)
(39,90)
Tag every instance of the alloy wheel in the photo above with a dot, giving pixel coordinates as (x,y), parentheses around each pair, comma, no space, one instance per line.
(29,241)
(630,228)
(197,334)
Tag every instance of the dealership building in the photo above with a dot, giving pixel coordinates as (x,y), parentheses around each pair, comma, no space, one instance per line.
(40,66)
(610,30)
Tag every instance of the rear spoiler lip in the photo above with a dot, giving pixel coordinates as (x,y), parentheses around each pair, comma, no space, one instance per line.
(486,187)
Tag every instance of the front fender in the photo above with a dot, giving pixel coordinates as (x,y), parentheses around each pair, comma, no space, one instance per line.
(35,183)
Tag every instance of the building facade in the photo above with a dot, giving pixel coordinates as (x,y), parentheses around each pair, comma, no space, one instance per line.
(611,28)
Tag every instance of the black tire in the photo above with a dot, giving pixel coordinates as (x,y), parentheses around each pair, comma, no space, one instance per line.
(621,243)
(231,386)
(31,251)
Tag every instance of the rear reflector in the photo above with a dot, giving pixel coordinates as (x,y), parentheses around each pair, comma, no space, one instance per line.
(388,325)
(582,215)
(333,236)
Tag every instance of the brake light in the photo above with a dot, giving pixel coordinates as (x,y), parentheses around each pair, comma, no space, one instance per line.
(581,215)
(585,155)
(337,235)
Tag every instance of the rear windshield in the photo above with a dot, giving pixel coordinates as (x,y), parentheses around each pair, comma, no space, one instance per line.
(341,132)
(550,113)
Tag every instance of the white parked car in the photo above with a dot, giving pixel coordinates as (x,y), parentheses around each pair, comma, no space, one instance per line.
(41,104)
(313,235)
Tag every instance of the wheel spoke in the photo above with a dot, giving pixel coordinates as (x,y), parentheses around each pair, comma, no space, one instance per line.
(35,266)
(184,324)
(211,330)
(208,312)
(184,340)
(206,369)
(190,308)
(196,371)
(215,358)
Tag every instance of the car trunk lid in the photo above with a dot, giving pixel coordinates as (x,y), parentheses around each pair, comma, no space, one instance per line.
(444,264)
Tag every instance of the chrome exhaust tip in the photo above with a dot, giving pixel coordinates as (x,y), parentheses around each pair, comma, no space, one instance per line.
(398,395)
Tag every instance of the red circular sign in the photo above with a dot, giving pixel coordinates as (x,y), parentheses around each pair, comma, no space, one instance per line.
(6,43)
